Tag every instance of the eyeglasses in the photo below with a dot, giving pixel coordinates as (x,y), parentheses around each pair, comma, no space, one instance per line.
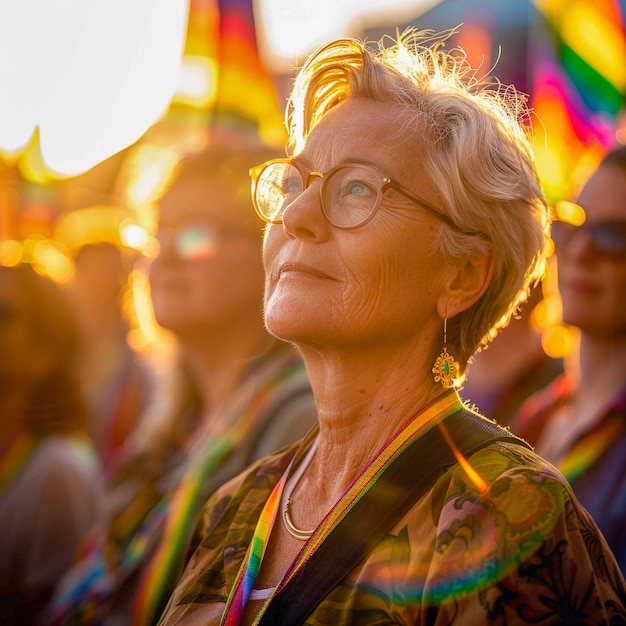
(606,238)
(195,242)
(350,194)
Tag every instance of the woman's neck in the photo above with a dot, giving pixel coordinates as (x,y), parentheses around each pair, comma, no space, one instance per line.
(601,372)
(362,402)
(340,459)
(216,364)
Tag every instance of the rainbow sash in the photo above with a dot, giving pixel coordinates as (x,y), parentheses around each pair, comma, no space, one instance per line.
(414,428)
(15,455)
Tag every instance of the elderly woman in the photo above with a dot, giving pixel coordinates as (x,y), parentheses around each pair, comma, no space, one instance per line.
(405,229)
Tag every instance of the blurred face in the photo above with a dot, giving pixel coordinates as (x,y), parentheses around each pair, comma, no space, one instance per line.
(209,273)
(592,265)
(376,285)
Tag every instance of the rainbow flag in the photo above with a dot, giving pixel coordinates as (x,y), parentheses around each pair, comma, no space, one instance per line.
(222,33)
(578,82)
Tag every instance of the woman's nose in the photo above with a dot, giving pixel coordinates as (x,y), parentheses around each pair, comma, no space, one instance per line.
(304,216)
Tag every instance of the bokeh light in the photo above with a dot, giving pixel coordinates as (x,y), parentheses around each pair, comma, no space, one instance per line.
(570,212)
(86,79)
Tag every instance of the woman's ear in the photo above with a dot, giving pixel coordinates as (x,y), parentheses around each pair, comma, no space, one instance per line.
(468,282)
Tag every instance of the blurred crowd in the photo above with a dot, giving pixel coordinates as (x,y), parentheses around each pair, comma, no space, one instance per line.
(106,459)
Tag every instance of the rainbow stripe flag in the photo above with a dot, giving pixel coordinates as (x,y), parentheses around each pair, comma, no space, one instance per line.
(578,82)
(243,94)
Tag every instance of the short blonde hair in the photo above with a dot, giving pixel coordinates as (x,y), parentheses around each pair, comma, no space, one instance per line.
(475,150)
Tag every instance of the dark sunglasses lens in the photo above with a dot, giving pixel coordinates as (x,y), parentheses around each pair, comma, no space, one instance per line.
(609,238)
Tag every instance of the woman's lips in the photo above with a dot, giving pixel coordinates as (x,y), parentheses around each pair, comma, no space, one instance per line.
(301,269)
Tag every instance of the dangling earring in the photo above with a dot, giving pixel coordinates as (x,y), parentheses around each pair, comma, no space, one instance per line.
(446,369)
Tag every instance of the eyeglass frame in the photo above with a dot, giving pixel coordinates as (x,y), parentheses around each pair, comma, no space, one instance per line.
(388,183)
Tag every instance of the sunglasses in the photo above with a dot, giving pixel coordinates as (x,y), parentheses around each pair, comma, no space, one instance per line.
(606,238)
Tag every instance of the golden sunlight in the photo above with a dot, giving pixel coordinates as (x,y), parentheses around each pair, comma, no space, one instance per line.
(87,77)
(287,29)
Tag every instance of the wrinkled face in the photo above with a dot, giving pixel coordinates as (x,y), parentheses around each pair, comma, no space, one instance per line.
(376,285)
(592,283)
(209,272)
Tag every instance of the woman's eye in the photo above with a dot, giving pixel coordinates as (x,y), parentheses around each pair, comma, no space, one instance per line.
(291,186)
(359,188)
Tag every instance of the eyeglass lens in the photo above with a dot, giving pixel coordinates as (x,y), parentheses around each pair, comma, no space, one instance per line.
(278,186)
(349,194)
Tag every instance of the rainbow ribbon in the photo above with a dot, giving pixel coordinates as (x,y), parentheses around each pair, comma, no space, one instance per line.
(590,448)
(172,522)
(15,455)
(255,553)
(416,426)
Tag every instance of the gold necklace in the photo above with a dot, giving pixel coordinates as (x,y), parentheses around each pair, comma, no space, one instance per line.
(294,531)
(291,528)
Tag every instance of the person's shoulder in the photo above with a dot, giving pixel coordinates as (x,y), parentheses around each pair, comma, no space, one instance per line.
(65,452)
(540,404)
(61,481)
(262,474)
(249,489)
(62,468)
(503,461)
(511,483)
(515,513)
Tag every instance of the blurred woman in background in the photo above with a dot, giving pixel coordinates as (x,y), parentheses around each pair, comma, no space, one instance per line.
(238,392)
(49,491)
(579,421)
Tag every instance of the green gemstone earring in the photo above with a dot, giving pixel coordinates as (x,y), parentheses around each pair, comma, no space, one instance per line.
(446,369)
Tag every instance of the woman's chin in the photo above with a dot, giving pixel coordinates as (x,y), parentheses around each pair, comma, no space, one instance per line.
(289,325)
(285,329)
